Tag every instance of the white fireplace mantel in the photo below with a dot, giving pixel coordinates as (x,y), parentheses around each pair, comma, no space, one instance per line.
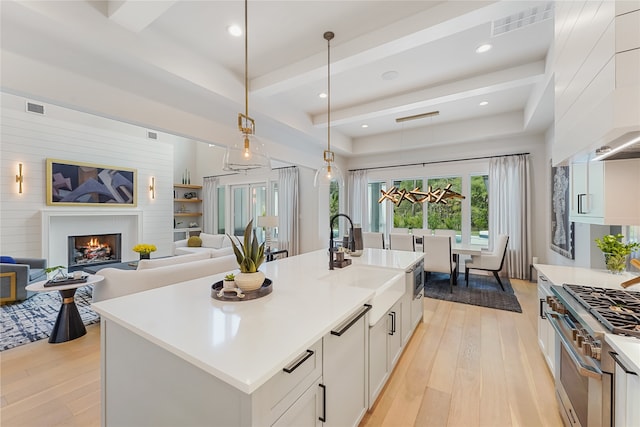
(59,224)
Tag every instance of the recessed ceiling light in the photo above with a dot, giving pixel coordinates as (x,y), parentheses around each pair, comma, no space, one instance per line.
(364,126)
(390,75)
(234,30)
(211,145)
(483,48)
(483,103)
(322,95)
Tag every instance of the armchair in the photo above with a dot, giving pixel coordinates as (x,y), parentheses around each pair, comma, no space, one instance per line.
(14,277)
(491,261)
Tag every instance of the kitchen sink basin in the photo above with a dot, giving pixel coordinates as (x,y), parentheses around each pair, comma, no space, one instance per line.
(389,285)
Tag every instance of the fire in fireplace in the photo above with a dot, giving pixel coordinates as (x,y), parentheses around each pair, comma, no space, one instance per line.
(93,249)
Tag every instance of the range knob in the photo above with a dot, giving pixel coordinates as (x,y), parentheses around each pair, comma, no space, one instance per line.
(580,340)
(587,349)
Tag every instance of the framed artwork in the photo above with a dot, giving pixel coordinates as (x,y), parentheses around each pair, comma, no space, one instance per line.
(74,184)
(562,231)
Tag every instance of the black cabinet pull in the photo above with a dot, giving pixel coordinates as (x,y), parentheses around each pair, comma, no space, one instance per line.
(580,206)
(364,311)
(614,356)
(323,418)
(289,370)
(391,330)
(542,316)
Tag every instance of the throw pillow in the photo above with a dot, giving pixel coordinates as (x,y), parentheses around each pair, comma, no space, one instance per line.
(212,240)
(194,242)
(7,260)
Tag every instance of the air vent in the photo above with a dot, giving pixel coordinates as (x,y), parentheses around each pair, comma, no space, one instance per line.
(152,135)
(35,108)
(521,19)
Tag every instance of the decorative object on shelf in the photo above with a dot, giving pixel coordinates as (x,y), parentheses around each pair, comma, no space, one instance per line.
(616,253)
(19,178)
(250,256)
(191,195)
(268,222)
(144,250)
(186,177)
(329,171)
(416,196)
(77,184)
(251,155)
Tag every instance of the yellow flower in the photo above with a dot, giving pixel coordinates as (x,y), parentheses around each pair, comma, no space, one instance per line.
(144,248)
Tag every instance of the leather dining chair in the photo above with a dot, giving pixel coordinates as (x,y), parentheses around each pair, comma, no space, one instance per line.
(401,242)
(490,261)
(417,236)
(373,240)
(437,257)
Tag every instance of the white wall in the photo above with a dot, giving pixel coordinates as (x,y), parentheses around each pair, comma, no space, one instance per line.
(65,134)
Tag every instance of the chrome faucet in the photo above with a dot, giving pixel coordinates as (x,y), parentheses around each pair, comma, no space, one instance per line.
(352,242)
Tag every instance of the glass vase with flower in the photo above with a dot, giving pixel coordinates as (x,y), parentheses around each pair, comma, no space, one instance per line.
(144,250)
(616,253)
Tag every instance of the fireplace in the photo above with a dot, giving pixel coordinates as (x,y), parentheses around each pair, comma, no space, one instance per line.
(93,249)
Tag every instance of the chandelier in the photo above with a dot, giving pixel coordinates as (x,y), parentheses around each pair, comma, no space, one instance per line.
(249,154)
(329,171)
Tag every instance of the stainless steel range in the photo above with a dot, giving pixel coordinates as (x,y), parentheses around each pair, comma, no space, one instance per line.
(580,316)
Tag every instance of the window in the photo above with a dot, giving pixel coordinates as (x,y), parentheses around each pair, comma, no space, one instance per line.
(480,210)
(407,214)
(446,216)
(377,212)
(221,218)
(240,209)
(334,205)
(274,209)
(245,207)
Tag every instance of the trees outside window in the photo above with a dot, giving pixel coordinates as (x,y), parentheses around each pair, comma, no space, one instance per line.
(480,210)
(407,214)
(377,212)
(445,216)
(334,205)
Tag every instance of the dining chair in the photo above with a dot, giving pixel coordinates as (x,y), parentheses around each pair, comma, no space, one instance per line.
(437,257)
(490,261)
(417,236)
(442,232)
(373,240)
(399,230)
(401,242)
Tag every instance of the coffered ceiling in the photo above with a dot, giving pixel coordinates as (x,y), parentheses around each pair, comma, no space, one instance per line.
(389,59)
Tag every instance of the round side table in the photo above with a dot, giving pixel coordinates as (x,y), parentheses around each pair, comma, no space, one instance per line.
(69,325)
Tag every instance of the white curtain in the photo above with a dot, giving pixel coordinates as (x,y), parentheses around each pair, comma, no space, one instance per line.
(510,210)
(288,222)
(209,204)
(358,208)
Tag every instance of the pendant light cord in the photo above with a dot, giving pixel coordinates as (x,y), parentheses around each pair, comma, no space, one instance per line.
(328,36)
(246,61)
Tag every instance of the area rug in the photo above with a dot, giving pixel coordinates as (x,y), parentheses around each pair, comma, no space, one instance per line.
(33,319)
(483,291)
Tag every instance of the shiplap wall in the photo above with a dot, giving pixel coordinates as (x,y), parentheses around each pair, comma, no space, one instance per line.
(66,134)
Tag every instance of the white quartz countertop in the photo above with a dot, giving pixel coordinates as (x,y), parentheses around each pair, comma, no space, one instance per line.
(246,343)
(628,348)
(559,274)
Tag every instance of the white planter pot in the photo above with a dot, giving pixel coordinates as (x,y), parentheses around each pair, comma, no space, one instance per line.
(249,281)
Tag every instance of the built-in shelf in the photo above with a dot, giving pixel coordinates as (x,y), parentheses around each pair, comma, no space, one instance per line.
(190,186)
(187,200)
(187,214)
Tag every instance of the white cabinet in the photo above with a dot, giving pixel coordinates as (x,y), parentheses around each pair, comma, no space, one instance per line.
(417,311)
(605,192)
(546,333)
(626,405)
(306,411)
(385,348)
(345,372)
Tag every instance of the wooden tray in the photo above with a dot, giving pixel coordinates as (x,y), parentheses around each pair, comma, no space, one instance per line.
(341,264)
(264,290)
(68,281)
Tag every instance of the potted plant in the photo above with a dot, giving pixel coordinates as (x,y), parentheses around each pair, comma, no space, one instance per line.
(229,282)
(250,256)
(58,273)
(144,250)
(616,252)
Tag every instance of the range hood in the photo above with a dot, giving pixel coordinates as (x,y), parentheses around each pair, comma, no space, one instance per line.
(626,146)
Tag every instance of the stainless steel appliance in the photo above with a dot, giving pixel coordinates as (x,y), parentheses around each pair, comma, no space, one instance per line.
(580,316)
(417,276)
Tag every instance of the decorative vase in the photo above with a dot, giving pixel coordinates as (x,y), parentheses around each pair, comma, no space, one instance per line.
(616,264)
(249,281)
(145,256)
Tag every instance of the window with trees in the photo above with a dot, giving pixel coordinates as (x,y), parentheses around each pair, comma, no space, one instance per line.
(480,210)
(377,212)
(445,216)
(408,215)
(334,205)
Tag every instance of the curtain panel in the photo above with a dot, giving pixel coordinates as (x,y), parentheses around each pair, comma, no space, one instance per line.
(358,208)
(288,212)
(210,204)
(510,210)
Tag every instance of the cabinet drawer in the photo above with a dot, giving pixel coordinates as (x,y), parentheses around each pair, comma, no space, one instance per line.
(289,383)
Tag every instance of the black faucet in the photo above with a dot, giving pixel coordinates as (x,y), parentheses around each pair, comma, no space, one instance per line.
(352,241)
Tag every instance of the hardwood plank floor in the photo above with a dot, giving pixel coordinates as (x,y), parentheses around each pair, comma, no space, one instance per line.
(465,366)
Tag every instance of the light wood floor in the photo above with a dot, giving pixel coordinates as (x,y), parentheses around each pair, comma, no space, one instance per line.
(465,366)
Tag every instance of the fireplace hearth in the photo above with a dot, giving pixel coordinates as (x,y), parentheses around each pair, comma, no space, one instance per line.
(94,249)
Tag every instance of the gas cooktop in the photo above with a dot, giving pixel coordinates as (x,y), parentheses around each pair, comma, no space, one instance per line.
(617,310)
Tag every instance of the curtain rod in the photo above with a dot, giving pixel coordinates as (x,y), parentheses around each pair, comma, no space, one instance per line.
(436,161)
(236,173)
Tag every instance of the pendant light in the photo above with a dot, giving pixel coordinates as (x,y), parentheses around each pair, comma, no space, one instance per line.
(329,171)
(248,155)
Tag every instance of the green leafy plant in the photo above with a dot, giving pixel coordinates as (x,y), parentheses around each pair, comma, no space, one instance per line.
(615,251)
(249,255)
(230,277)
(52,269)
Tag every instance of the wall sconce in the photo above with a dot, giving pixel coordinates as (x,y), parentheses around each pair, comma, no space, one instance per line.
(19,178)
(152,187)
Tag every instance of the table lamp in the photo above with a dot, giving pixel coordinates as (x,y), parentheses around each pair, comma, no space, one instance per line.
(267,221)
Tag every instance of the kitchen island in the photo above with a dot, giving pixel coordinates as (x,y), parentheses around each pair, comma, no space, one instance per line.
(174,355)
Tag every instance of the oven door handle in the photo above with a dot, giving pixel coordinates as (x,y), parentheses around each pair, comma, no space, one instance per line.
(584,370)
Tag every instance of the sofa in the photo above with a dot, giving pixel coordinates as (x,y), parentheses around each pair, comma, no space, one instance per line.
(16,274)
(164,272)
(216,245)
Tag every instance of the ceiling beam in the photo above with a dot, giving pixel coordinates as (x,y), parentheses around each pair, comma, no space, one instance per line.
(135,15)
